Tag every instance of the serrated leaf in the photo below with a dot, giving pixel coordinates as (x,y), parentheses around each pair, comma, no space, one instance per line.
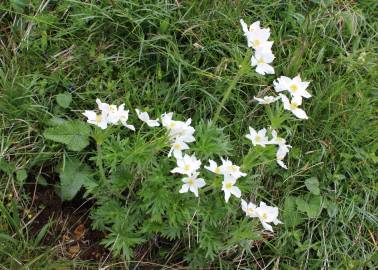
(74,134)
(312,185)
(64,99)
(72,177)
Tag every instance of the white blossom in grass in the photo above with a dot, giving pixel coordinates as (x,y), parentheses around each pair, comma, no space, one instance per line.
(261,61)
(176,149)
(102,106)
(123,115)
(281,153)
(276,139)
(182,131)
(295,86)
(228,186)
(227,168)
(267,214)
(213,167)
(187,165)
(293,106)
(249,208)
(99,120)
(166,119)
(143,116)
(257,37)
(257,138)
(192,183)
(178,129)
(266,100)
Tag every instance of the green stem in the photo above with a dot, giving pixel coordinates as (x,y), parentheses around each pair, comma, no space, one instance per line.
(232,85)
(99,163)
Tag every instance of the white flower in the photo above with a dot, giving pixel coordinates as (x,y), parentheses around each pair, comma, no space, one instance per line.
(213,167)
(192,183)
(177,148)
(266,100)
(187,165)
(166,119)
(261,61)
(257,138)
(295,86)
(249,208)
(182,131)
(104,107)
(227,168)
(267,214)
(99,120)
(143,116)
(276,139)
(257,37)
(178,129)
(281,153)
(123,116)
(228,186)
(293,106)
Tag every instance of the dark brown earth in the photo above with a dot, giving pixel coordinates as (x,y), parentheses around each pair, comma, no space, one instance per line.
(71,226)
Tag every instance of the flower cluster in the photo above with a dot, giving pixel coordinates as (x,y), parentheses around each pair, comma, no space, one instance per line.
(297,90)
(257,38)
(266,214)
(180,134)
(260,138)
(109,114)
(230,173)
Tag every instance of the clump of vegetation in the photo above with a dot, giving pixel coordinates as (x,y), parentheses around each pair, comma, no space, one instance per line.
(248,171)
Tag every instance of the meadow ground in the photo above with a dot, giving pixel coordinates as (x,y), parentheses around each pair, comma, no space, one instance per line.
(56,57)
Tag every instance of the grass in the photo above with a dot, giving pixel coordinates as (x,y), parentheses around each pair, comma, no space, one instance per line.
(183,56)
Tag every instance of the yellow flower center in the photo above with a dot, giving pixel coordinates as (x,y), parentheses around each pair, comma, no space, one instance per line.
(260,61)
(177,146)
(250,211)
(257,138)
(172,124)
(256,42)
(98,118)
(217,170)
(293,87)
(190,182)
(113,108)
(293,106)
(264,216)
(228,185)
(186,167)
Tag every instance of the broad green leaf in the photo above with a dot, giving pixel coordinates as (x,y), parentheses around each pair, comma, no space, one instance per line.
(291,216)
(332,209)
(311,205)
(75,134)
(72,177)
(301,204)
(312,185)
(314,206)
(64,99)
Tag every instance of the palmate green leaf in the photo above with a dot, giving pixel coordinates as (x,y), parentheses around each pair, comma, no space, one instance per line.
(73,176)
(74,134)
